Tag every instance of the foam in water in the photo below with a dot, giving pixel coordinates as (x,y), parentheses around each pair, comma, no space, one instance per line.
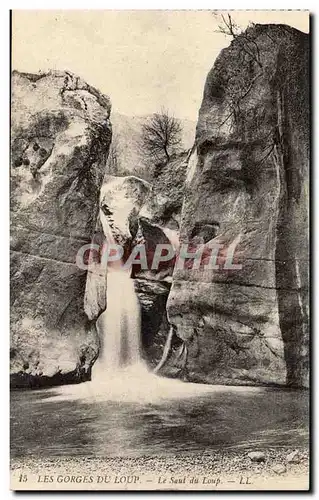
(140,386)
(120,374)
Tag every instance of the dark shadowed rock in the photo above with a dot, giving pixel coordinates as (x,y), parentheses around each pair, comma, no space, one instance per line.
(246,186)
(152,295)
(60,138)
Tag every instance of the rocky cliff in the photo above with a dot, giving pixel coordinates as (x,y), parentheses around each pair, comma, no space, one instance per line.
(247,188)
(59,144)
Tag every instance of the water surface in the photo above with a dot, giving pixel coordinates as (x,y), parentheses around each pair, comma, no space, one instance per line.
(73,421)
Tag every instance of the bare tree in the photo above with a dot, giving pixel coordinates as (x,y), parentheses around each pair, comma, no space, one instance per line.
(247,43)
(161,136)
(246,69)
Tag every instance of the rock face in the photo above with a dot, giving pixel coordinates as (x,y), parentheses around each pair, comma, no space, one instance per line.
(60,138)
(247,188)
(168,191)
(152,295)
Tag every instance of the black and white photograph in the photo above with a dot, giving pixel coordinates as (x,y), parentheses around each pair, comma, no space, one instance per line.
(159,247)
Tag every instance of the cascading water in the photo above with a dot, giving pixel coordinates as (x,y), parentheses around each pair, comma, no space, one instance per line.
(119,326)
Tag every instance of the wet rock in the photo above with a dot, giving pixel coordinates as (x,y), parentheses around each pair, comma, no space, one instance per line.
(59,152)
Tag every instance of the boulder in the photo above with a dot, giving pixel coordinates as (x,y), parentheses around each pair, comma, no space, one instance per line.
(257,456)
(279,469)
(60,137)
(247,191)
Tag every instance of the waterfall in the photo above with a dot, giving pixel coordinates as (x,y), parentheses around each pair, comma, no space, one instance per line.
(120,373)
(119,325)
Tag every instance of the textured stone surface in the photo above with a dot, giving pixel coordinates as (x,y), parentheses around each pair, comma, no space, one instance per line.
(247,184)
(60,139)
(168,191)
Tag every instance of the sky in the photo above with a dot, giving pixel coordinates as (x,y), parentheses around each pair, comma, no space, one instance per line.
(143,60)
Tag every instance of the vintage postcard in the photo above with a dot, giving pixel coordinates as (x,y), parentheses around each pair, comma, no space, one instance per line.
(159,250)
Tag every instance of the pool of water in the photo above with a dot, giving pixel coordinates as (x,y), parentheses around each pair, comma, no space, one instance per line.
(78,421)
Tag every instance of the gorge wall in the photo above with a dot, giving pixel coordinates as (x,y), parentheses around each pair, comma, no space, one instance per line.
(248,178)
(60,137)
